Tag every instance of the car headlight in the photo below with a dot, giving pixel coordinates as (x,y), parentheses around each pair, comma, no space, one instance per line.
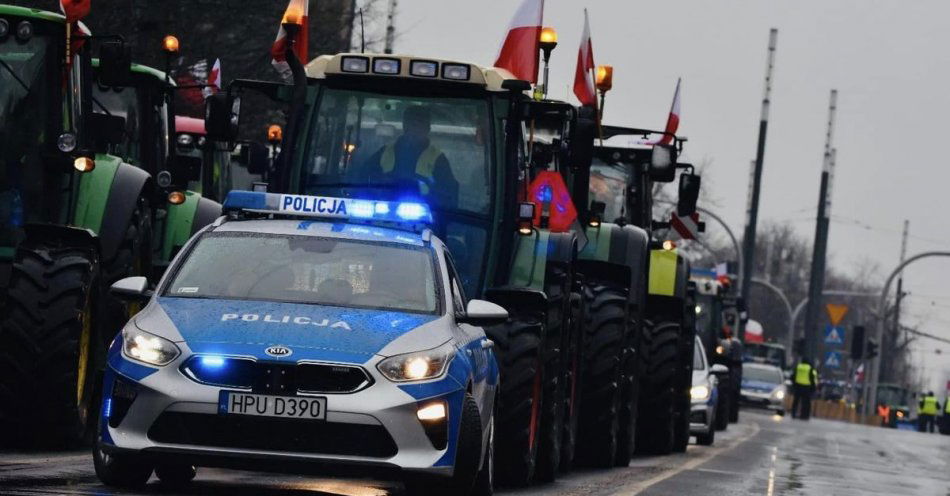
(418,366)
(779,394)
(149,348)
(699,392)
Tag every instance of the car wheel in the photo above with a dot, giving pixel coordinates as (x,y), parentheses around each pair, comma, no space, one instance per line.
(485,481)
(175,474)
(128,471)
(468,454)
(723,408)
(706,439)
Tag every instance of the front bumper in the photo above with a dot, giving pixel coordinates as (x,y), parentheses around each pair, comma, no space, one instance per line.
(761,399)
(375,429)
(701,417)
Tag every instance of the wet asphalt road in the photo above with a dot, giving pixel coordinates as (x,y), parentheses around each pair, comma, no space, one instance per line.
(762,455)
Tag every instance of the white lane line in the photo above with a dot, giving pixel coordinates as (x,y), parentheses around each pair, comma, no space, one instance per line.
(13,461)
(638,487)
(771,489)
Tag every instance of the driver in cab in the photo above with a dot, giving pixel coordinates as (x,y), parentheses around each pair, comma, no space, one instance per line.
(413,157)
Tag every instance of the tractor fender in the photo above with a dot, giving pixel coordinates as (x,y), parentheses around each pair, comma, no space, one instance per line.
(617,254)
(207,212)
(535,252)
(185,220)
(668,285)
(55,234)
(106,200)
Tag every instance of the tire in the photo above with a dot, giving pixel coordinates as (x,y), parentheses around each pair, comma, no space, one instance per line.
(630,397)
(175,474)
(518,347)
(573,385)
(47,347)
(557,337)
(734,406)
(125,471)
(467,457)
(707,439)
(485,481)
(603,354)
(658,388)
(687,346)
(722,410)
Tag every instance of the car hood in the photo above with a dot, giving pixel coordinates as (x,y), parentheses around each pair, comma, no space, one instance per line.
(759,386)
(700,377)
(315,332)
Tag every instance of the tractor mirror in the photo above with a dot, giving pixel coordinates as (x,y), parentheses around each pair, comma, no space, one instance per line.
(257,157)
(689,195)
(185,168)
(583,133)
(105,130)
(131,289)
(222,117)
(115,64)
(663,163)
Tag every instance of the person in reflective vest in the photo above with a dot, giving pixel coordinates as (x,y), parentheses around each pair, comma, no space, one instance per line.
(927,412)
(806,380)
(945,419)
(413,159)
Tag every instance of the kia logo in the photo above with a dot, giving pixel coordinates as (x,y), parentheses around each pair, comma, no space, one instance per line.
(279,351)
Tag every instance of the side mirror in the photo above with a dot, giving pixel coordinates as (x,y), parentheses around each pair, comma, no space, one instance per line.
(663,163)
(718,369)
(131,289)
(255,157)
(115,64)
(688,194)
(583,134)
(184,168)
(483,313)
(105,130)
(222,117)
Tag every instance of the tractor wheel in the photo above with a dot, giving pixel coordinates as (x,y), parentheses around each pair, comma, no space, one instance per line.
(557,338)
(723,408)
(656,424)
(518,346)
(630,389)
(574,371)
(603,355)
(47,347)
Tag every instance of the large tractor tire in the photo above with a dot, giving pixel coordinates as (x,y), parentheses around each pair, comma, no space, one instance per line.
(573,385)
(630,396)
(47,347)
(656,423)
(602,394)
(557,339)
(518,346)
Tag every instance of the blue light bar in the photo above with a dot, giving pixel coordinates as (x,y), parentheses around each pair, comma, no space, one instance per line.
(328,207)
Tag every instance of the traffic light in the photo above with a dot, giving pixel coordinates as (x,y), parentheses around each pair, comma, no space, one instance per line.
(857,343)
(871,351)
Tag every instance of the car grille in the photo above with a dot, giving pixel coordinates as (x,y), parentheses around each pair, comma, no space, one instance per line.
(273,434)
(277,378)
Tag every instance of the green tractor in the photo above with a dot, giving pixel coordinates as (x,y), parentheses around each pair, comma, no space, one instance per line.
(59,250)
(456,136)
(645,286)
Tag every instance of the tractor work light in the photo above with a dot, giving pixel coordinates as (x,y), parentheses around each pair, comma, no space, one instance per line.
(526,218)
(424,68)
(66,141)
(605,78)
(185,140)
(669,245)
(293,15)
(386,66)
(327,207)
(4,28)
(275,134)
(456,72)
(170,44)
(84,164)
(597,210)
(176,198)
(24,31)
(355,64)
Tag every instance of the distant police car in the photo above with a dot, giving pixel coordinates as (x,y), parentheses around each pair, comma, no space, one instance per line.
(323,333)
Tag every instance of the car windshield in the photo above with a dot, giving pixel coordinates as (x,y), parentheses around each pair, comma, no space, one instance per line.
(608,184)
(439,149)
(308,270)
(891,395)
(764,353)
(761,374)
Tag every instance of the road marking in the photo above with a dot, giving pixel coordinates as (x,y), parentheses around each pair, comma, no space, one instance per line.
(13,461)
(771,489)
(638,487)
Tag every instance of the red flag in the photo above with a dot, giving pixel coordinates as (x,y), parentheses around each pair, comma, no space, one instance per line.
(673,122)
(297,12)
(584,85)
(75,9)
(214,80)
(520,52)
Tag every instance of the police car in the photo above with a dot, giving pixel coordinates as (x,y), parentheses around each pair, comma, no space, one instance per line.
(704,396)
(304,333)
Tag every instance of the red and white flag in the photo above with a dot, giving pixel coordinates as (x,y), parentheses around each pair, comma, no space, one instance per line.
(520,52)
(584,83)
(673,121)
(298,12)
(214,80)
(75,9)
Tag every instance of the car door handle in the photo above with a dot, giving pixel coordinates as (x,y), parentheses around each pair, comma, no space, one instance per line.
(487,344)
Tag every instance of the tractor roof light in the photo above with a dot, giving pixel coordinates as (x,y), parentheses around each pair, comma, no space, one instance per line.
(24,31)
(669,245)
(605,78)
(293,16)
(84,164)
(275,134)
(170,45)
(355,64)
(386,66)
(176,198)
(548,41)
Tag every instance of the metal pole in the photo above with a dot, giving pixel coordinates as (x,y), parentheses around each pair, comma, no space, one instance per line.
(748,258)
(390,27)
(893,337)
(817,279)
(870,392)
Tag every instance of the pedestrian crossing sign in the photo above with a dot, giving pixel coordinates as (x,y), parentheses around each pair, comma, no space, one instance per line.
(834,335)
(833,359)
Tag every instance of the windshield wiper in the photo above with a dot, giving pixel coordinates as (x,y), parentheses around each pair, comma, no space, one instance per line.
(14,74)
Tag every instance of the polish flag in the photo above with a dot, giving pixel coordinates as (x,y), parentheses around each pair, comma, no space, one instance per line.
(214,80)
(754,332)
(298,11)
(584,85)
(520,53)
(673,122)
(75,9)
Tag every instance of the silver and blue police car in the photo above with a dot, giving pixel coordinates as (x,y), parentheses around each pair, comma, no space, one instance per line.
(704,396)
(304,333)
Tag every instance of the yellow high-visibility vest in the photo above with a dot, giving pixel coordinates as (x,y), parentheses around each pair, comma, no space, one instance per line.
(929,406)
(803,374)
(425,164)
(946,406)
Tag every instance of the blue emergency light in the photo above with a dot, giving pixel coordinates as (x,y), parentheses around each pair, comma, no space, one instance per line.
(328,207)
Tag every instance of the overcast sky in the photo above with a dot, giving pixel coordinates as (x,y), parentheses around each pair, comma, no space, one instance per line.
(889,60)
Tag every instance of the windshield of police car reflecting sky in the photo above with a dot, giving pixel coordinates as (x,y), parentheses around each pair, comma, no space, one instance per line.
(308,270)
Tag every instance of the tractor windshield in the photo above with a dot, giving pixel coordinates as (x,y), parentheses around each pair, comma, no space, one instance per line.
(27,117)
(124,103)
(608,184)
(439,149)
